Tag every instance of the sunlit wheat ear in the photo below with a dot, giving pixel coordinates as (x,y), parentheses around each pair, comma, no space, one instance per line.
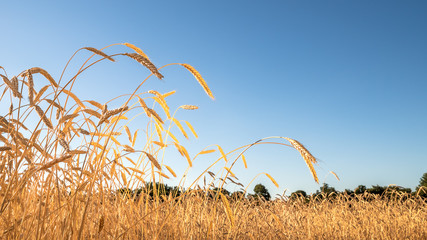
(43,72)
(96,104)
(40,93)
(336,176)
(144,106)
(11,109)
(154,113)
(99,52)
(92,112)
(5,148)
(161,101)
(64,144)
(83,131)
(189,107)
(54,104)
(306,155)
(228,210)
(30,88)
(199,79)
(272,180)
(12,85)
(153,160)
(67,117)
(136,49)
(113,112)
(55,161)
(43,117)
(15,85)
(169,94)
(4,122)
(170,170)
(145,62)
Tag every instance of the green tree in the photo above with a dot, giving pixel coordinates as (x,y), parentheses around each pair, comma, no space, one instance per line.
(237,195)
(349,192)
(377,189)
(224,191)
(298,194)
(157,189)
(423,180)
(422,187)
(360,189)
(327,189)
(261,191)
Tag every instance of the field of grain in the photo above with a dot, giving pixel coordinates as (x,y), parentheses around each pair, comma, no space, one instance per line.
(64,160)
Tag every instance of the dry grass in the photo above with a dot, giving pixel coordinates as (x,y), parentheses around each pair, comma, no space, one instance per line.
(62,162)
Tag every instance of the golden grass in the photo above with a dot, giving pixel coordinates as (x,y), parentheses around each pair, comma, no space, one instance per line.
(60,175)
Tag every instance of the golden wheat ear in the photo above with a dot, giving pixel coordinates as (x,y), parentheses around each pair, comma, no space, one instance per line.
(136,49)
(199,79)
(306,155)
(12,85)
(146,63)
(43,72)
(100,53)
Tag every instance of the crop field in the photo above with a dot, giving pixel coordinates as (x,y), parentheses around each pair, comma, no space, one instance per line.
(73,168)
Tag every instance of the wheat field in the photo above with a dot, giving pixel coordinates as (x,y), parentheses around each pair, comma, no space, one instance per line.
(67,163)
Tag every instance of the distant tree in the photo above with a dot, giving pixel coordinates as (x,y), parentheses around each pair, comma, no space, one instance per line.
(261,191)
(423,180)
(213,192)
(422,187)
(125,192)
(224,191)
(360,189)
(327,189)
(298,194)
(377,189)
(237,195)
(349,192)
(158,189)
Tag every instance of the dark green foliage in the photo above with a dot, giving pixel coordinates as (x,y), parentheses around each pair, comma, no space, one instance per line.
(327,189)
(422,187)
(298,194)
(125,192)
(423,180)
(159,189)
(261,191)
(349,192)
(214,192)
(379,190)
(360,189)
(237,195)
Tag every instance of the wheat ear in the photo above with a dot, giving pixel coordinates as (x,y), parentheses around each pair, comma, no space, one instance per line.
(199,79)
(306,155)
(145,62)
(99,52)
(44,73)
(43,117)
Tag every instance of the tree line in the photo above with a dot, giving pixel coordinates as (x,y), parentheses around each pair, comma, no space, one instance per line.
(261,192)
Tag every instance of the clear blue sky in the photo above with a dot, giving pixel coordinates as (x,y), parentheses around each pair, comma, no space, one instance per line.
(348,79)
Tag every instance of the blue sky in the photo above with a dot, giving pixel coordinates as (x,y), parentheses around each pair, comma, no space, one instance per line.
(348,79)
